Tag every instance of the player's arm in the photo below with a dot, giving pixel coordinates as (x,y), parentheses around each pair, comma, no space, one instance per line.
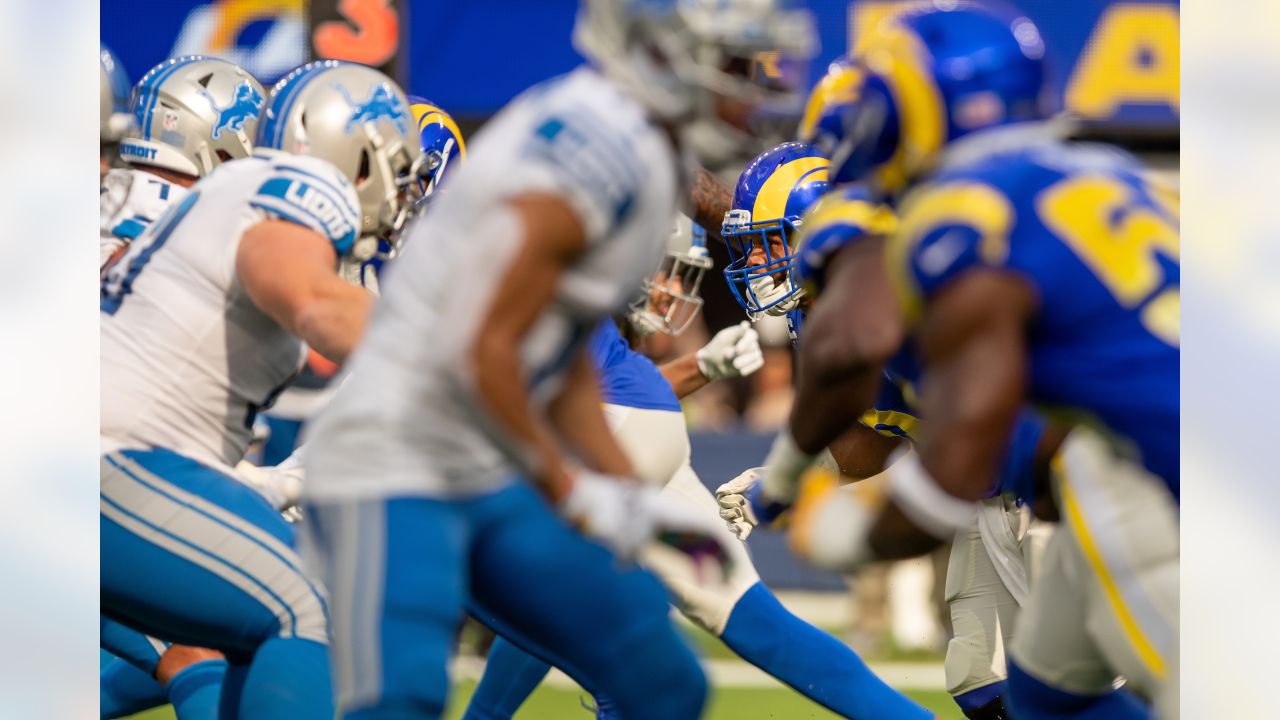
(973,343)
(862,452)
(577,416)
(287,270)
(709,199)
(850,333)
(733,352)
(552,236)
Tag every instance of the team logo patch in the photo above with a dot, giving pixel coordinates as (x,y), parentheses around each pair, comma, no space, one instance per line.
(245,105)
(382,103)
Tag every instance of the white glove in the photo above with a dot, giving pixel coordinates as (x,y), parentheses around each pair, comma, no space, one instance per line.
(830,526)
(734,508)
(733,352)
(281,485)
(627,516)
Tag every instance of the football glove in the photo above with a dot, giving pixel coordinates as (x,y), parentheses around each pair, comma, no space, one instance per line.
(830,525)
(733,352)
(627,517)
(281,485)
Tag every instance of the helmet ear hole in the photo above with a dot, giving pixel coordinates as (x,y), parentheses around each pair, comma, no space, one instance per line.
(363,175)
(223,155)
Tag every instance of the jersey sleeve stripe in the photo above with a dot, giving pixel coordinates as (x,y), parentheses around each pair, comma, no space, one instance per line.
(291,213)
(333,192)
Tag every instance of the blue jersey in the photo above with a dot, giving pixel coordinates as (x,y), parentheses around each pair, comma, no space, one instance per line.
(1098,242)
(628,378)
(849,215)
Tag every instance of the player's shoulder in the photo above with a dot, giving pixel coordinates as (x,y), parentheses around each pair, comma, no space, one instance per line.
(839,219)
(302,189)
(131,199)
(583,136)
(963,215)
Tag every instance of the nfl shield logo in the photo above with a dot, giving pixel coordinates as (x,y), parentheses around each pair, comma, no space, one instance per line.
(170,120)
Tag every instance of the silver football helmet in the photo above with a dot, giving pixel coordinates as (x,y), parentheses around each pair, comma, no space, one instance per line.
(671,297)
(192,113)
(358,119)
(113,96)
(686,60)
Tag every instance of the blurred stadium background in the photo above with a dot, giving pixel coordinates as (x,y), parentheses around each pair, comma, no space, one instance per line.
(1115,67)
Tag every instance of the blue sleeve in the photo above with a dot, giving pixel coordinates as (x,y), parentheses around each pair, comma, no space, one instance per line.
(944,229)
(838,220)
(1018,474)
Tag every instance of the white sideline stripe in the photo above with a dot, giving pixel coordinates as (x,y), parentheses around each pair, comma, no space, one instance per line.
(735,673)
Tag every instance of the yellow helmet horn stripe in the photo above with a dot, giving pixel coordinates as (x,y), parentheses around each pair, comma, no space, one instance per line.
(771,201)
(898,55)
(837,88)
(427,114)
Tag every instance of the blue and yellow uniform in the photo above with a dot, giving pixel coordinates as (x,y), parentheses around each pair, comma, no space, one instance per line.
(1098,243)
(850,215)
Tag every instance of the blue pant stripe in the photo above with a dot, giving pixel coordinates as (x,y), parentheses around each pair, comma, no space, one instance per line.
(246,534)
(234,569)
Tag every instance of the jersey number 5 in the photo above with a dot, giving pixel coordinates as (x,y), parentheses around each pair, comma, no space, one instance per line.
(119,279)
(1119,237)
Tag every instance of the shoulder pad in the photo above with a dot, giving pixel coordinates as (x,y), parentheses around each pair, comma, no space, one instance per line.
(836,221)
(312,193)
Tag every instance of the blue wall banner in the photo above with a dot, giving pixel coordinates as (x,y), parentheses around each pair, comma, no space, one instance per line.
(266,37)
(1113,62)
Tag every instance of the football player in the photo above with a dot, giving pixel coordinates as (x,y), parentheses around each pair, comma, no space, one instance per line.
(172,139)
(988,576)
(1029,269)
(642,405)
(473,381)
(190,114)
(206,315)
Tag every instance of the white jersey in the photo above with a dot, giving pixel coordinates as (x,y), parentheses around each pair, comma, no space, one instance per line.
(187,358)
(408,419)
(131,199)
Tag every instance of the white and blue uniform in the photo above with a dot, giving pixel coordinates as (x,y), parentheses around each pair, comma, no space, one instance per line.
(647,420)
(189,553)
(131,199)
(415,498)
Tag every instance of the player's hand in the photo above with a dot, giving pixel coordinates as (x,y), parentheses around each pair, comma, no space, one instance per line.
(280,485)
(830,524)
(733,352)
(745,503)
(627,517)
(735,509)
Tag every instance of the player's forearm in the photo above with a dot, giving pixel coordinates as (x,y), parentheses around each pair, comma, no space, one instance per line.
(577,418)
(830,399)
(683,375)
(710,198)
(333,323)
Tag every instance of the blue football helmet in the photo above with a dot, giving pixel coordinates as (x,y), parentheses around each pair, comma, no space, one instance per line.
(822,124)
(929,77)
(773,193)
(442,142)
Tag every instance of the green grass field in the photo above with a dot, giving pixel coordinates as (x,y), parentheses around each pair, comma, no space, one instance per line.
(762,703)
